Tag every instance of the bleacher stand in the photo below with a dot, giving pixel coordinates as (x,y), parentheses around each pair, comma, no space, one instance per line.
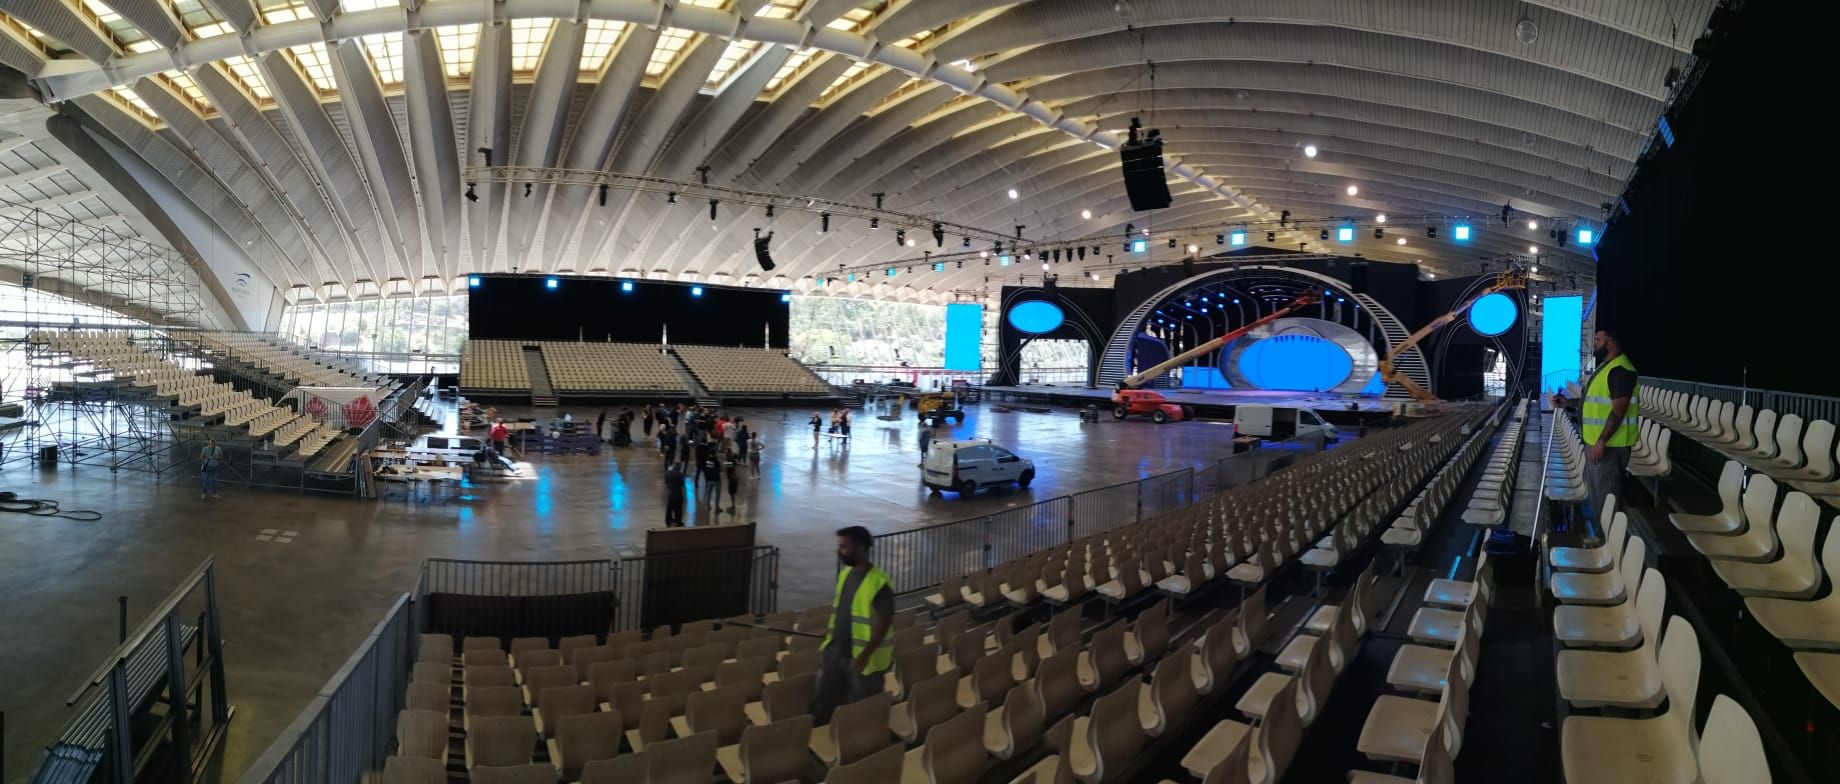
(293,364)
(749,371)
(494,366)
(610,368)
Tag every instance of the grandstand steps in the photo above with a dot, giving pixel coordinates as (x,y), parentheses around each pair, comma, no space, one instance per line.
(698,392)
(542,393)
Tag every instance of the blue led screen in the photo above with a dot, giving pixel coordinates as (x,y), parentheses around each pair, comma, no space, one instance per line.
(1561,341)
(1299,362)
(964,336)
(1493,314)
(1036,317)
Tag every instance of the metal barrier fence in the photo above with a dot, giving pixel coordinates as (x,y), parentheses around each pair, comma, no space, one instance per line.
(1808,407)
(514,598)
(920,558)
(346,730)
(655,590)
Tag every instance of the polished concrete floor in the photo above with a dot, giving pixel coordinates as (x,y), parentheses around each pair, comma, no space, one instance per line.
(294,611)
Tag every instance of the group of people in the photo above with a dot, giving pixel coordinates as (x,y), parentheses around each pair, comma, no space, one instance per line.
(705,446)
(840,426)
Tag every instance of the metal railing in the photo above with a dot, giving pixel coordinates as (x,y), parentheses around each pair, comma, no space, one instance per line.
(656,590)
(920,558)
(514,598)
(1808,407)
(346,730)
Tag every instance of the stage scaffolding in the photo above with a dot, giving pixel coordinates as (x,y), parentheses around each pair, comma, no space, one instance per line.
(59,273)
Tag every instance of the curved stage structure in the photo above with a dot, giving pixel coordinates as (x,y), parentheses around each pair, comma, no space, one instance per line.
(1229,297)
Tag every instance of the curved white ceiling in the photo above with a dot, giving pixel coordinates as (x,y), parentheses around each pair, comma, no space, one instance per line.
(344,128)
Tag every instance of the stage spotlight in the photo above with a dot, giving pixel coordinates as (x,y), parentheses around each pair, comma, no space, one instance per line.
(769,210)
(1220,239)
(1085,214)
(551,283)
(785,297)
(1013,194)
(1533,270)
(1323,235)
(1381,218)
(527,187)
(603,195)
(1003,261)
(1460,233)
(626,285)
(1284,217)
(712,208)
(1271,236)
(1402,240)
(1507,213)
(961,263)
(1533,250)
(1095,276)
(1353,191)
(1044,266)
(1130,229)
(1237,238)
(1586,236)
(1082,253)
(998,249)
(1140,246)
(1194,249)
(472,281)
(697,291)
(875,223)
(471,195)
(1533,225)
(1172,242)
(939,236)
(1431,232)
(1344,234)
(966,243)
(824,221)
(1309,151)
(671,197)
(1379,233)
(983,254)
(900,236)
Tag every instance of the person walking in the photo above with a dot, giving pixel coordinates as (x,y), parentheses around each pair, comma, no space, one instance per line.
(499,435)
(857,653)
(817,422)
(646,413)
(674,496)
(667,443)
(1608,419)
(209,460)
(926,441)
(731,466)
(741,435)
(711,463)
(755,447)
(600,427)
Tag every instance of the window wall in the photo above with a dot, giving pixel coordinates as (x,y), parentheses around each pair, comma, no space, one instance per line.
(401,335)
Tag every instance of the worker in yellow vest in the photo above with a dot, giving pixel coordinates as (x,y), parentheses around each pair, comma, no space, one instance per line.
(1608,419)
(857,654)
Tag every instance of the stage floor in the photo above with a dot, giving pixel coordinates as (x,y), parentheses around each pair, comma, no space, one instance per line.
(1227,398)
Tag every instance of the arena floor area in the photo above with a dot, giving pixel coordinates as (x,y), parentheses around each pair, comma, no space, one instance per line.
(298,600)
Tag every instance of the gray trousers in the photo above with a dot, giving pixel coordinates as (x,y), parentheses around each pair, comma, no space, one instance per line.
(1605,478)
(838,683)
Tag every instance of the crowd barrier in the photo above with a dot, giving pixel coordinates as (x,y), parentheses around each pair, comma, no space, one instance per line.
(1808,407)
(920,558)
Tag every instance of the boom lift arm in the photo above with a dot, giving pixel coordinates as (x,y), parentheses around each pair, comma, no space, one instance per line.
(1513,278)
(1145,377)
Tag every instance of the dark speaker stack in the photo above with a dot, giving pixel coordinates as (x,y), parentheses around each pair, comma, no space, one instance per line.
(760,250)
(1144,180)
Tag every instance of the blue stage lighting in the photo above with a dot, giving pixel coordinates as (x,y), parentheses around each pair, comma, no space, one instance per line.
(551,283)
(626,285)
(1459,233)
(1493,314)
(1586,236)
(1344,234)
(696,291)
(1036,317)
(1236,301)
(472,281)
(1003,261)
(1237,238)
(1139,246)
(785,297)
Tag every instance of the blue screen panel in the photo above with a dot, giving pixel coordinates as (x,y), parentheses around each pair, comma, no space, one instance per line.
(1299,362)
(1562,341)
(1036,317)
(964,336)
(1204,378)
(1493,314)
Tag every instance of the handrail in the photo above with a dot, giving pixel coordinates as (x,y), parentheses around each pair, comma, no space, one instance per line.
(155,621)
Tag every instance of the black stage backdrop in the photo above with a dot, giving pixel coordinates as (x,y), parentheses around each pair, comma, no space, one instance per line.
(1720,273)
(523,307)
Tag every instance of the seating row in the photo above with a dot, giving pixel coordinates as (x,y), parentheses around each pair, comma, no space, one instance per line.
(1786,448)
(749,371)
(494,365)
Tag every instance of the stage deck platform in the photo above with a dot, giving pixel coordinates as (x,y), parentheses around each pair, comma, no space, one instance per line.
(1206,402)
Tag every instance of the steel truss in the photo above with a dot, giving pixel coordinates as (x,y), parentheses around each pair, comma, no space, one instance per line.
(97,264)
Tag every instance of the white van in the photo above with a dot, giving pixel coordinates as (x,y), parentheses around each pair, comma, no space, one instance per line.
(1277,423)
(446,449)
(964,466)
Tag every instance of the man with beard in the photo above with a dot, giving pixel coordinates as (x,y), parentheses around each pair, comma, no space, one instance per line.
(1608,418)
(857,653)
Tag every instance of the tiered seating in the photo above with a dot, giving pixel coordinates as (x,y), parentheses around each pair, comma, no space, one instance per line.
(293,364)
(118,356)
(749,371)
(1488,505)
(1801,454)
(496,365)
(610,368)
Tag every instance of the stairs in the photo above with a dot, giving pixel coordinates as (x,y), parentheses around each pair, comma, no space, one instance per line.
(541,392)
(698,392)
(1411,363)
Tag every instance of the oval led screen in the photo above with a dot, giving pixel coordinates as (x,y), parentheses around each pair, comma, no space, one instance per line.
(1493,314)
(1299,362)
(1036,317)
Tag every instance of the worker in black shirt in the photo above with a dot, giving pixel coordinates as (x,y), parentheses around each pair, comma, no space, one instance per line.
(1609,419)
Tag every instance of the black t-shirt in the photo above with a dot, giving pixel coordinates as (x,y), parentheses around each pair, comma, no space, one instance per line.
(1622,382)
(882,605)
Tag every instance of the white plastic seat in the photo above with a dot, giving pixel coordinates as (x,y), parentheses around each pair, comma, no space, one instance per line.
(1730,516)
(1620,679)
(1658,749)
(1805,624)
(1822,671)
(1757,542)
(1730,750)
(1598,588)
(1594,559)
(1792,576)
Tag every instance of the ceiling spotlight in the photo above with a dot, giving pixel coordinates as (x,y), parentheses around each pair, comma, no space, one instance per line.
(603,194)
(939,235)
(1309,151)
(527,187)
(1325,235)
(1044,266)
(1013,194)
(1379,233)
(1095,276)
(1172,242)
(1284,217)
(1193,249)
(1381,218)
(670,198)
(471,195)
(900,236)
(824,221)
(1533,225)
(875,223)
(983,254)
(911,243)
(1271,236)
(1533,270)
(1532,249)
(1085,214)
(1402,240)
(712,208)
(1353,190)
(966,243)
(1431,232)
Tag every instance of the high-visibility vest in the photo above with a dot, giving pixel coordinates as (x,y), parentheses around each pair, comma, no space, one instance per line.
(1596,409)
(861,610)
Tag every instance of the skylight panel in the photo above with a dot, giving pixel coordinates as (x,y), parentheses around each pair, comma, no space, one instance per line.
(313,62)
(459,45)
(528,37)
(244,70)
(598,43)
(386,53)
